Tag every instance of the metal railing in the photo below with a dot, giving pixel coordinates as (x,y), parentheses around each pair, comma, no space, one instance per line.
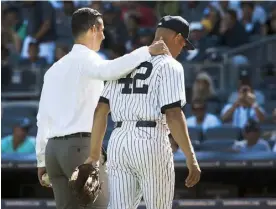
(25,82)
(215,70)
(258,52)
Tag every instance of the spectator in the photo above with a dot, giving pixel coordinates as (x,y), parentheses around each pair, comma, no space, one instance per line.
(271,135)
(41,28)
(269,28)
(144,13)
(244,79)
(164,8)
(245,107)
(133,28)
(211,21)
(200,41)
(251,27)
(6,70)
(259,14)
(114,25)
(203,88)
(223,6)
(63,22)
(146,36)
(193,10)
(252,141)
(201,118)
(97,5)
(33,60)
(61,51)
(231,30)
(14,29)
(19,141)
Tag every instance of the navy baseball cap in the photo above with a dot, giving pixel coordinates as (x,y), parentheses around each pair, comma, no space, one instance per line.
(179,25)
(23,123)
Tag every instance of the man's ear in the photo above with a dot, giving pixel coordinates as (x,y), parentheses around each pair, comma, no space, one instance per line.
(94,29)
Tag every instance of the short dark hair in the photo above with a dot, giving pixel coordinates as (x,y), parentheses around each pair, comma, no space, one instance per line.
(83,19)
(232,13)
(35,44)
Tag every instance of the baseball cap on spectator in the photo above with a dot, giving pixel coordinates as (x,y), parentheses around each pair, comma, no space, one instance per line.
(179,25)
(24,123)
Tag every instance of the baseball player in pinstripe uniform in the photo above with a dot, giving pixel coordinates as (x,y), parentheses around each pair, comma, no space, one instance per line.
(143,105)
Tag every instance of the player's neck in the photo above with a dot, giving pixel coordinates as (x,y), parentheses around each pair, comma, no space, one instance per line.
(86,43)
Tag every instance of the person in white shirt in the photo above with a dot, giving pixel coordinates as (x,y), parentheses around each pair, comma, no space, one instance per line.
(245,108)
(201,118)
(252,141)
(70,93)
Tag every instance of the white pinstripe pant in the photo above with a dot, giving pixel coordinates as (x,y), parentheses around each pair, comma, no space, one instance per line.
(140,163)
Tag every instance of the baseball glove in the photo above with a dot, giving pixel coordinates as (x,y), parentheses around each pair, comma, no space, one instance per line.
(85,184)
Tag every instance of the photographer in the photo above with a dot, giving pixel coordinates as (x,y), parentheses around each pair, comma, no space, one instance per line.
(243,109)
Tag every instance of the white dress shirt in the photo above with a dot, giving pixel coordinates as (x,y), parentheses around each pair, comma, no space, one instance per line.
(241,115)
(71,90)
(210,121)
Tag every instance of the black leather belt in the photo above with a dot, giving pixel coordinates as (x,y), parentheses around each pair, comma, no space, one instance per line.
(75,135)
(138,124)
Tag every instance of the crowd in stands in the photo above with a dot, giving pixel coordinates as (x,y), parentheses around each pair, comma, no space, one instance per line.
(35,34)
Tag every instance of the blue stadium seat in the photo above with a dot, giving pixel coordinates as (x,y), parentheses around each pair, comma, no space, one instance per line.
(195,134)
(267,127)
(223,132)
(272,143)
(270,106)
(5,131)
(216,145)
(9,121)
(19,111)
(33,131)
(214,108)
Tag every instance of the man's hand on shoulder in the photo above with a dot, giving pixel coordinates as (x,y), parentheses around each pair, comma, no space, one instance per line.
(159,47)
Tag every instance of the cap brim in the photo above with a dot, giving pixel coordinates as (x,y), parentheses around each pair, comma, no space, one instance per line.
(189,45)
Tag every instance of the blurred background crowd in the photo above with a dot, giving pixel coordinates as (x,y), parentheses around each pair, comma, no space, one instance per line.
(230,77)
(230,83)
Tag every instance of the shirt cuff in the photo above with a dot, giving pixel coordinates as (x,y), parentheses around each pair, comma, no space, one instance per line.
(41,161)
(143,53)
(171,105)
(104,100)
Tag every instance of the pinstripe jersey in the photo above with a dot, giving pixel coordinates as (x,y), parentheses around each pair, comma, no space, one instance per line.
(145,93)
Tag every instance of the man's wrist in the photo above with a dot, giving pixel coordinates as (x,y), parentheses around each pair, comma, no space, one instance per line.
(41,161)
